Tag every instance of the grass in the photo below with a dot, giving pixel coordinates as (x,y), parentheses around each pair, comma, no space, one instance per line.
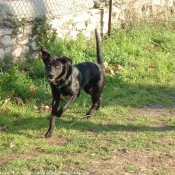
(118,138)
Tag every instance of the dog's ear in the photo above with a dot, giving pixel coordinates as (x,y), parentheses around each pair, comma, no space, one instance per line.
(45,53)
(65,60)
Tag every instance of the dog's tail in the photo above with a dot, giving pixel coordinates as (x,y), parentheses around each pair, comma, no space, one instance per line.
(98,46)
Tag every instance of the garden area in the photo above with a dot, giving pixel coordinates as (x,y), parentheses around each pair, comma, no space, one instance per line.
(132,133)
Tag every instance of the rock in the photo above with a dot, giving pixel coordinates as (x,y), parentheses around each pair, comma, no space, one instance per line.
(65,32)
(17,52)
(70,26)
(8,24)
(34,45)
(6,41)
(81,18)
(34,37)
(66,18)
(94,11)
(1,32)
(90,27)
(28,30)
(13,41)
(5,32)
(55,23)
(2,53)
(95,20)
(80,26)
(60,35)
(89,4)
(168,3)
(20,35)
(23,41)
(116,10)
(8,31)
(26,49)
(74,34)
(99,4)
(8,51)
(87,34)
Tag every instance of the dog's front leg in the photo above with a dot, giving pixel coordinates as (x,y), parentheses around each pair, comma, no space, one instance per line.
(51,127)
(66,105)
(55,103)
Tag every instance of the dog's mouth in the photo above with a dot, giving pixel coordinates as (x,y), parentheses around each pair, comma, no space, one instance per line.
(52,80)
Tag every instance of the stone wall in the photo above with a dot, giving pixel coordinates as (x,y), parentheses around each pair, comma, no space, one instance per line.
(68,18)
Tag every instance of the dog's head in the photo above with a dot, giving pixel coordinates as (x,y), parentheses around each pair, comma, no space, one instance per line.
(57,68)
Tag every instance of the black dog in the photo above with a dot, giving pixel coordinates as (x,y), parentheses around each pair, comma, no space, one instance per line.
(68,79)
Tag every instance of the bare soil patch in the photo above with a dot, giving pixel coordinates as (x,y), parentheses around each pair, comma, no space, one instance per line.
(28,155)
(56,140)
(134,162)
(52,141)
(156,110)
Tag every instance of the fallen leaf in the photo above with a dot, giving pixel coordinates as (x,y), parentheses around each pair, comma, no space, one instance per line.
(111,69)
(164,73)
(5,102)
(168,53)
(4,127)
(120,67)
(152,67)
(36,107)
(43,108)
(12,144)
(32,90)
(18,101)
(5,110)
(16,117)
(23,71)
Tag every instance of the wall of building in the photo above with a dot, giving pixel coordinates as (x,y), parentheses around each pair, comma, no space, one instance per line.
(68,18)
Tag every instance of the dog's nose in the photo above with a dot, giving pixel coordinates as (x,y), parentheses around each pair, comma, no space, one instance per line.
(51,75)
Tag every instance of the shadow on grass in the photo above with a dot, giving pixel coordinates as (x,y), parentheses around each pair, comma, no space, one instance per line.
(137,95)
(123,95)
(40,124)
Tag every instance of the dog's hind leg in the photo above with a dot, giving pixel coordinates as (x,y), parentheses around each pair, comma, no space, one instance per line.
(99,102)
(96,101)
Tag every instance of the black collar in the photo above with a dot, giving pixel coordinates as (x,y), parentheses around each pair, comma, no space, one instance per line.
(65,83)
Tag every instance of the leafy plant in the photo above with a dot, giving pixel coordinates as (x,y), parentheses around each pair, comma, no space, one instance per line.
(17,82)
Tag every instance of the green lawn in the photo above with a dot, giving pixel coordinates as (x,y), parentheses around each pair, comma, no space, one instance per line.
(132,133)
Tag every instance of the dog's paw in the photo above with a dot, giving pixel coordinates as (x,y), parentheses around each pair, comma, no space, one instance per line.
(86,116)
(48,134)
(59,112)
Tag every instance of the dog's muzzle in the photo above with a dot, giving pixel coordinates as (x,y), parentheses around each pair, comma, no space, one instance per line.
(51,80)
